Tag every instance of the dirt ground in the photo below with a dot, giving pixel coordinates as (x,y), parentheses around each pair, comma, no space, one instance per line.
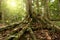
(41,34)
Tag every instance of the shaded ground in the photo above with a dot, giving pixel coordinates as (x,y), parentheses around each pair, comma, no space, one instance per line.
(41,34)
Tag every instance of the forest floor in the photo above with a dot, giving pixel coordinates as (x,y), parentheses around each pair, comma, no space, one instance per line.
(2,25)
(41,34)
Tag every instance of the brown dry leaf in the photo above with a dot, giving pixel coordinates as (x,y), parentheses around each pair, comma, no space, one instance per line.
(47,36)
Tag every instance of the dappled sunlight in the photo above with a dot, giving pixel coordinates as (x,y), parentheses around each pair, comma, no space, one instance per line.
(52,0)
(14,8)
(11,3)
(29,19)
